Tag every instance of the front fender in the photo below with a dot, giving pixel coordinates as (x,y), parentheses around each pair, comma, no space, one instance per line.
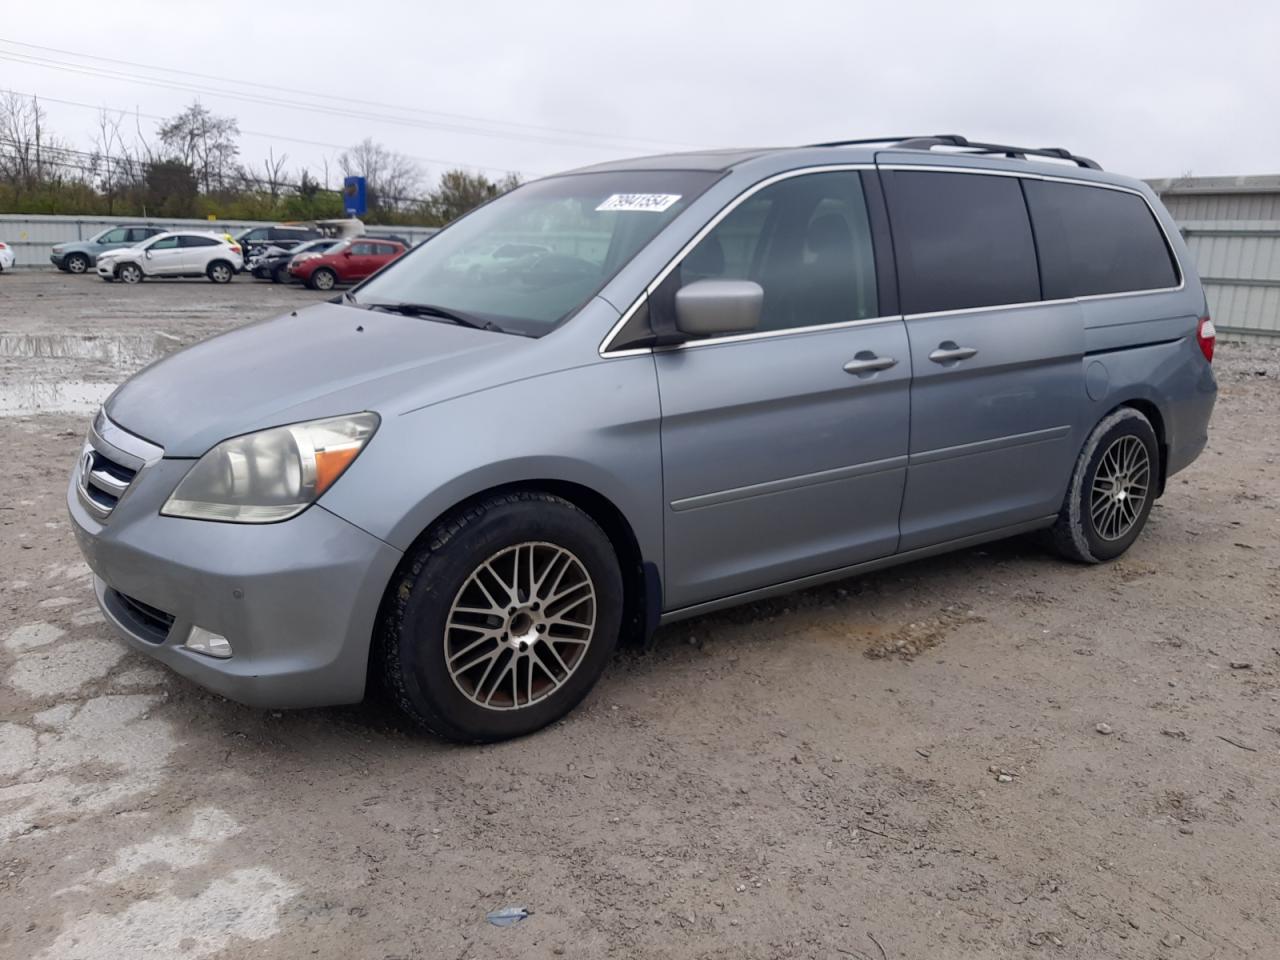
(596,426)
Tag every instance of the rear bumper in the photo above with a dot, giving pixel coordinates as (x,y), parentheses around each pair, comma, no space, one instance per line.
(297,600)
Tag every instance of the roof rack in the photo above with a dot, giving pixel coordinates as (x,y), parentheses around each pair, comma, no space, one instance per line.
(968,146)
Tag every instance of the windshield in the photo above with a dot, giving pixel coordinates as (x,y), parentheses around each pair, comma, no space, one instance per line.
(533,257)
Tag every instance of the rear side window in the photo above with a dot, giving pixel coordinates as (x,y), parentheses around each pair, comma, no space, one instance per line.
(189,241)
(962,240)
(1093,240)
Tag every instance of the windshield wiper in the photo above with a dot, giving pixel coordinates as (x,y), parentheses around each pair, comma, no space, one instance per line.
(430,310)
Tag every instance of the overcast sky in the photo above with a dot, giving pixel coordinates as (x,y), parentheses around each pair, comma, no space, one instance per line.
(1150,89)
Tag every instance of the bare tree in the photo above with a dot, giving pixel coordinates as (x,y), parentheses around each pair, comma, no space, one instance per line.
(205,142)
(274,169)
(21,120)
(391,179)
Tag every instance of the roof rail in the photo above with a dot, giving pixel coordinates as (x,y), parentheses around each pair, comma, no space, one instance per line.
(968,146)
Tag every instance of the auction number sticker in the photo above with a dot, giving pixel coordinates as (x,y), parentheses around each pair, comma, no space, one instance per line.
(640,202)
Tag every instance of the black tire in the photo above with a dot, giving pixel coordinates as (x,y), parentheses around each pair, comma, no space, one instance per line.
(129,273)
(280,275)
(412,634)
(322,279)
(1077,535)
(220,271)
(77,263)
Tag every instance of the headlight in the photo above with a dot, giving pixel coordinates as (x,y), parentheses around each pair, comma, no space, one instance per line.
(57,249)
(273,474)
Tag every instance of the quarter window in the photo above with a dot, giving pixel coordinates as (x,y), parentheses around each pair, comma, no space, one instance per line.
(962,240)
(1095,241)
(807,241)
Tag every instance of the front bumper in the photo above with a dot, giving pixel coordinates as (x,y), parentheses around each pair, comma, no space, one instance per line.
(297,600)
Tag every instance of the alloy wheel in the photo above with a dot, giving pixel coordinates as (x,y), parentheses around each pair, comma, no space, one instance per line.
(1120,487)
(520,626)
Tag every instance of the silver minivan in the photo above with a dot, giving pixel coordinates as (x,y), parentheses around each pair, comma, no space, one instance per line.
(700,380)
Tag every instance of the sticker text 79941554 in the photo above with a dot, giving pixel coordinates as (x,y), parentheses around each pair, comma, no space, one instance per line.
(639,202)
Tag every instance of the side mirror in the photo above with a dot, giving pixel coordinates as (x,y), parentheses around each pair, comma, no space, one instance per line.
(711,307)
(148,253)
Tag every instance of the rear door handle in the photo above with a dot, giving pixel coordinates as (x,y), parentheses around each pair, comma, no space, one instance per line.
(949,352)
(867,362)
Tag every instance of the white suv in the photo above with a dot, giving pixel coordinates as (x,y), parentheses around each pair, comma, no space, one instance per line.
(174,254)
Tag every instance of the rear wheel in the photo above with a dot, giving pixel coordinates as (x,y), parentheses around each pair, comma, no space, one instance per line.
(220,271)
(77,263)
(279,274)
(503,620)
(130,273)
(1112,489)
(323,279)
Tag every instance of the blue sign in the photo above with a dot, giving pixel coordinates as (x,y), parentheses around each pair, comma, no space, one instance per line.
(353,196)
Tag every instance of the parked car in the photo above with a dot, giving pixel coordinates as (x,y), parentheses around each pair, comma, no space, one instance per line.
(181,253)
(273,263)
(348,262)
(256,240)
(780,368)
(78,256)
(7,258)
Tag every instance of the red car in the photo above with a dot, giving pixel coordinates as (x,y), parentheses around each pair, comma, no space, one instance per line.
(348,262)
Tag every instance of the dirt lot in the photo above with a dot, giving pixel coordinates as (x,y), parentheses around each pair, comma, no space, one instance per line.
(907,765)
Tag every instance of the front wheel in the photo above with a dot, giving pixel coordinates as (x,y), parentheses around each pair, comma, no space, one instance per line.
(1112,489)
(130,273)
(77,263)
(503,620)
(323,279)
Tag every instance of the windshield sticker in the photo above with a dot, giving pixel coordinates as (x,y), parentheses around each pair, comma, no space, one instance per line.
(640,202)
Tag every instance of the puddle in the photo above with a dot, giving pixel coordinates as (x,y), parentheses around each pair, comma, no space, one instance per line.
(70,396)
(127,353)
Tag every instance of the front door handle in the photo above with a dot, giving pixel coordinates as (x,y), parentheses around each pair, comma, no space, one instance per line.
(949,352)
(867,362)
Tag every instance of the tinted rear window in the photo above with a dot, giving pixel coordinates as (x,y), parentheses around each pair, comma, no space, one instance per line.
(962,240)
(1093,240)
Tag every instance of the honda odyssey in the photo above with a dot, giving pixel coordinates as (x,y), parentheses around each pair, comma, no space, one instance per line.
(702,380)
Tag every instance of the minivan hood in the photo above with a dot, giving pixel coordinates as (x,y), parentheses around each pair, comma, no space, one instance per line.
(323,360)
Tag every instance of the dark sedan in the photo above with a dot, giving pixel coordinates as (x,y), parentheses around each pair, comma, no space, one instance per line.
(273,264)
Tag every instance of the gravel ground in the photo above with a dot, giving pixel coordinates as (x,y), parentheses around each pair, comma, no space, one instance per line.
(989,754)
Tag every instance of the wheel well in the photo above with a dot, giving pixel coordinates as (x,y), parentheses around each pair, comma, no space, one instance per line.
(213,263)
(1152,413)
(642,598)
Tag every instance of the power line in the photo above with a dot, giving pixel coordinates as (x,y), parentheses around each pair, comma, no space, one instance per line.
(252,133)
(328,96)
(336,111)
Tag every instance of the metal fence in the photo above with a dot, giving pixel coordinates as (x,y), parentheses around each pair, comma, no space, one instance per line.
(1232,228)
(32,236)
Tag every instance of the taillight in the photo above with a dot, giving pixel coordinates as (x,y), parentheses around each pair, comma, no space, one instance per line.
(235,248)
(1205,336)
(3,247)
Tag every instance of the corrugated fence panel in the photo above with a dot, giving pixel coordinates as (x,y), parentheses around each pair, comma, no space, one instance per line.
(1239,265)
(32,236)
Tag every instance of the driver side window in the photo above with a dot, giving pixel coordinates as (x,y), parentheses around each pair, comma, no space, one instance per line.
(807,241)
(167,243)
(118,235)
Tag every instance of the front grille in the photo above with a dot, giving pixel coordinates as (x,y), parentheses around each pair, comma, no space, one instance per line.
(109,463)
(103,480)
(150,622)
